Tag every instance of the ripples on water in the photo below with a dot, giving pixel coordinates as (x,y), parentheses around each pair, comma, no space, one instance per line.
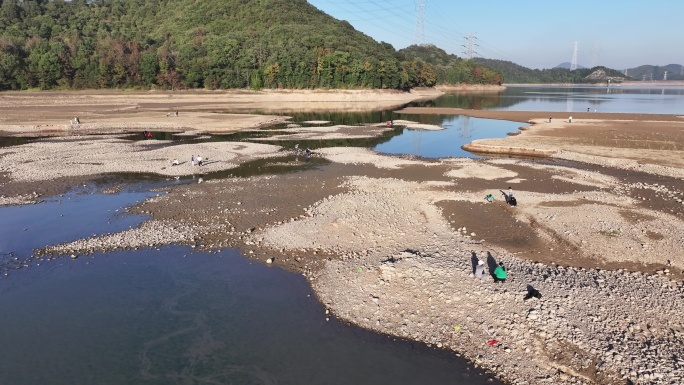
(175,315)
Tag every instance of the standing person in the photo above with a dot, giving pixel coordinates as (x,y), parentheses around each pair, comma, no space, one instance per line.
(510,193)
(479,270)
(199,160)
(570,120)
(192,159)
(500,273)
(308,154)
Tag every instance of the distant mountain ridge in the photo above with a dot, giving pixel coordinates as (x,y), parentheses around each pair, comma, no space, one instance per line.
(567,65)
(651,72)
(515,73)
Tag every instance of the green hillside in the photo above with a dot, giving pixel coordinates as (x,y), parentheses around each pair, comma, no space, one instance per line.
(514,73)
(450,69)
(192,44)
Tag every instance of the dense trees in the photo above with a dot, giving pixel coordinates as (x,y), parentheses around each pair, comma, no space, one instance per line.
(201,44)
(450,69)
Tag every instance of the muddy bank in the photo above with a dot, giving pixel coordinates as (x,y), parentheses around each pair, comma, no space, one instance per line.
(54,113)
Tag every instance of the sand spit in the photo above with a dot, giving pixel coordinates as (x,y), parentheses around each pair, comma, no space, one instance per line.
(95,155)
(149,234)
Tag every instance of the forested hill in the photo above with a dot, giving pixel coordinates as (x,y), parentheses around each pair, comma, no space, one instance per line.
(450,69)
(193,44)
(514,73)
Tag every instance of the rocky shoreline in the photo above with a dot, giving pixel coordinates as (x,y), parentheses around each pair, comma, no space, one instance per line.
(590,326)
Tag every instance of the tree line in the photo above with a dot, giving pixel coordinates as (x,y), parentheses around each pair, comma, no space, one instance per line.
(213,44)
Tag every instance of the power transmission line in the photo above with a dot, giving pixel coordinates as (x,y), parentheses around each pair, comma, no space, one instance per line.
(393,16)
(420,22)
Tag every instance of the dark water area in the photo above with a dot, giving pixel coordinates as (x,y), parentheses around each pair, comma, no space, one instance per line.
(8,141)
(178,316)
(80,213)
(175,315)
(269,166)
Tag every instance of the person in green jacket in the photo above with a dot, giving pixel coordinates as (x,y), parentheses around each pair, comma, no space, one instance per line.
(500,273)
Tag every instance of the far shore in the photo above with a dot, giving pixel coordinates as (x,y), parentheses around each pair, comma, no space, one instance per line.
(654,83)
(53,113)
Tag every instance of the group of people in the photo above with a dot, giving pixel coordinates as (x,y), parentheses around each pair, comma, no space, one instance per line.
(199,160)
(298,151)
(510,199)
(146,134)
(499,272)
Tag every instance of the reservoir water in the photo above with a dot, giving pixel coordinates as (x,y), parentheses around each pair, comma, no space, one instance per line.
(175,316)
(626,99)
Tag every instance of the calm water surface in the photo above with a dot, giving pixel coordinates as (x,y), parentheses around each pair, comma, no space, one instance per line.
(648,100)
(459,130)
(175,315)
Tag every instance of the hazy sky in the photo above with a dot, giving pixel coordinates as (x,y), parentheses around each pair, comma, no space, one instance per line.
(533,33)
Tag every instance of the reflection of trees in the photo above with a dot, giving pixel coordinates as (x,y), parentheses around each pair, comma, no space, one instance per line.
(346,118)
(353,142)
(593,96)
(470,101)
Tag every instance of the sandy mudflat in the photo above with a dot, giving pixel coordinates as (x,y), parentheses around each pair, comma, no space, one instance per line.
(51,113)
(389,242)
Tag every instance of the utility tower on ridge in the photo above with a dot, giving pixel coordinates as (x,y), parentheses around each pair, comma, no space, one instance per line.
(420,22)
(573,63)
(469,51)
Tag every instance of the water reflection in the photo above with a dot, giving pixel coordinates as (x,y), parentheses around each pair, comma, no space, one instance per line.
(177,316)
(654,100)
(459,130)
